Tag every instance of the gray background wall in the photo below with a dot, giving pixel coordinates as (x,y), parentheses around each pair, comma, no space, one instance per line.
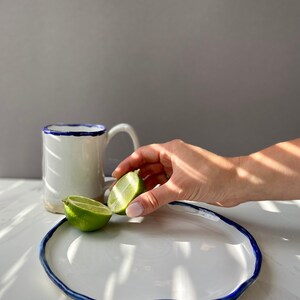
(221,74)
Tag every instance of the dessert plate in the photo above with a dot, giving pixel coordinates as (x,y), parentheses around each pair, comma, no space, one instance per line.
(181,251)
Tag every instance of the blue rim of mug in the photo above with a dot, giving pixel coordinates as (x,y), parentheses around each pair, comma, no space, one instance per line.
(100,129)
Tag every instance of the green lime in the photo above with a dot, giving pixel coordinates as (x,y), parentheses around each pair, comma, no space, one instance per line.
(86,214)
(128,187)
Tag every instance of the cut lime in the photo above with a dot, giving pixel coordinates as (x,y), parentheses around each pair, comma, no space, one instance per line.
(128,187)
(86,214)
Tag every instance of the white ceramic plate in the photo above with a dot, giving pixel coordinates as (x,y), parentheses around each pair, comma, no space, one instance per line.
(181,251)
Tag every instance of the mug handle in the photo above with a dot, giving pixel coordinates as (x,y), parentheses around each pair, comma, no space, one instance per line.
(123,127)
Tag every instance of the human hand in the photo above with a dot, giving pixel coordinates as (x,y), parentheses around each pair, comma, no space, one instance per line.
(181,172)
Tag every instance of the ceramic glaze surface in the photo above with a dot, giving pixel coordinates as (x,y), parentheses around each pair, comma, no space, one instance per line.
(178,252)
(73,159)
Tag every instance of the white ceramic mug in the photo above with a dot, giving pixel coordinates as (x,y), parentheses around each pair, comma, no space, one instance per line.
(73,157)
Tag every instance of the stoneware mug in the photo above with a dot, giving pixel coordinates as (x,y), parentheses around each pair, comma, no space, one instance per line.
(73,158)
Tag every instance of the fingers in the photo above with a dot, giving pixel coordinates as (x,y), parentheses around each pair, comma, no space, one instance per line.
(151,200)
(150,169)
(155,165)
(153,174)
(144,155)
(154,180)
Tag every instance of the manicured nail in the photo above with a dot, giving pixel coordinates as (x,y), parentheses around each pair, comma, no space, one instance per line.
(115,172)
(134,210)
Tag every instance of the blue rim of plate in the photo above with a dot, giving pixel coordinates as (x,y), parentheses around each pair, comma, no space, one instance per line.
(100,129)
(233,295)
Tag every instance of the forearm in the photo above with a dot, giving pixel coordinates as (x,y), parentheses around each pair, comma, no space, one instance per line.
(270,174)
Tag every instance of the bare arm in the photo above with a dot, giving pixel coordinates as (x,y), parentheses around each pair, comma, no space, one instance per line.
(272,173)
(187,172)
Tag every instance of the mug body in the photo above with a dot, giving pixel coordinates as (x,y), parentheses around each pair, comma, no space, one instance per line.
(72,162)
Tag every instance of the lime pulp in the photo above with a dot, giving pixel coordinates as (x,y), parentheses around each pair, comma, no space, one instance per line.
(127,188)
(86,214)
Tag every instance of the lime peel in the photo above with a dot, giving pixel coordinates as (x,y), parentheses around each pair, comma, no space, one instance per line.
(86,214)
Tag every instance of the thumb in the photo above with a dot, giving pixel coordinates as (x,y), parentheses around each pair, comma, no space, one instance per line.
(149,201)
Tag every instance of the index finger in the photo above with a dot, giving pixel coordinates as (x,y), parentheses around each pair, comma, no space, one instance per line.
(143,155)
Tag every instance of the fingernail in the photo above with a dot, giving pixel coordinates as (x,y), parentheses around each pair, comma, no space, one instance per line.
(115,172)
(134,210)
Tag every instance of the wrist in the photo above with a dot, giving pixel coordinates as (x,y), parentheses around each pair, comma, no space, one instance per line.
(238,188)
(249,182)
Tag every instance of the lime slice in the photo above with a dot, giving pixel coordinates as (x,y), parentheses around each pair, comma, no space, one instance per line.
(86,214)
(128,187)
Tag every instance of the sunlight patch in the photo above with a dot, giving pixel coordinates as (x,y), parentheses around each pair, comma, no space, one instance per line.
(269,206)
(12,272)
(297,202)
(16,220)
(110,287)
(183,287)
(73,249)
(128,252)
(183,248)
(12,186)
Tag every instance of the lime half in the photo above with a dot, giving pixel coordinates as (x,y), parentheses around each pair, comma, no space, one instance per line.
(128,187)
(86,214)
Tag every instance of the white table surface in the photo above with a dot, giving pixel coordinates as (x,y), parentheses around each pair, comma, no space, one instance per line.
(24,222)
